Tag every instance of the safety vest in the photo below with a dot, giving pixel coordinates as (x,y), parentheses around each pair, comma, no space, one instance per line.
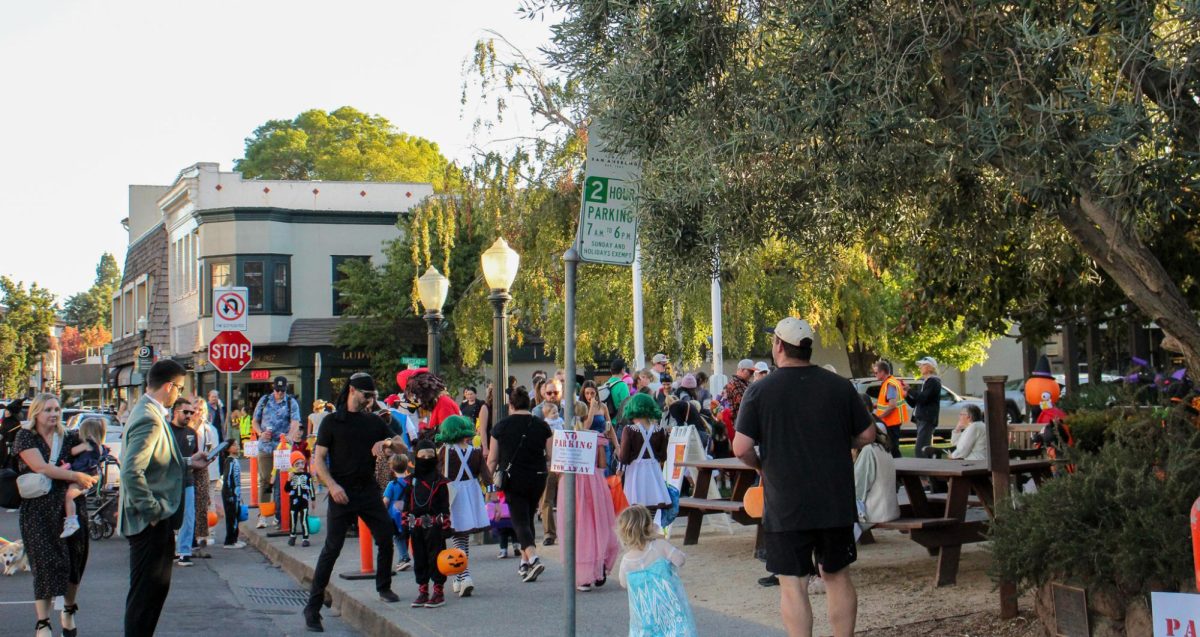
(899,415)
(245,427)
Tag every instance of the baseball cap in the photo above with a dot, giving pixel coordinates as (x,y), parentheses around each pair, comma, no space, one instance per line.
(928,360)
(745,363)
(793,331)
(280,383)
(760,366)
(659,358)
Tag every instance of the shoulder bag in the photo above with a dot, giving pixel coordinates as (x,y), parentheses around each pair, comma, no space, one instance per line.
(35,485)
(500,478)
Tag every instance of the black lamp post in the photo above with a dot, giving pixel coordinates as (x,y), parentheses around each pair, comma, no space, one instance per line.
(500,264)
(432,288)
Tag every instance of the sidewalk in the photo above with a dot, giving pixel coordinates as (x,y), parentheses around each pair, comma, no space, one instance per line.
(500,605)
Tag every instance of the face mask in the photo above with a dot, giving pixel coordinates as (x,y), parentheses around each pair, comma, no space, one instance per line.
(426,465)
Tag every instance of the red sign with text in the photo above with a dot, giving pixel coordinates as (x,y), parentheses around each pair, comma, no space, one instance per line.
(230,351)
(260,374)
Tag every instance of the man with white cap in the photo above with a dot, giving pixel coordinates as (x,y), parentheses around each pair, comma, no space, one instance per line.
(797,426)
(731,396)
(761,369)
(658,365)
(926,403)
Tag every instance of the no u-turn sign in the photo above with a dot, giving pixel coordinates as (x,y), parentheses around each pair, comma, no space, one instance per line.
(229,309)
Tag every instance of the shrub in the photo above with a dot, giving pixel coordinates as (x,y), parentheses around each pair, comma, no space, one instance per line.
(1091,428)
(1098,396)
(1119,523)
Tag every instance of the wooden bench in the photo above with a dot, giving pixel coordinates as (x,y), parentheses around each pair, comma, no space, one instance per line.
(713,506)
(911,524)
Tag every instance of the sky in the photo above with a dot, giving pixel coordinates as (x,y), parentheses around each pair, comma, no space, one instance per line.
(100,95)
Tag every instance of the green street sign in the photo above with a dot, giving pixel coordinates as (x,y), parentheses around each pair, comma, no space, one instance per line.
(413,361)
(608,213)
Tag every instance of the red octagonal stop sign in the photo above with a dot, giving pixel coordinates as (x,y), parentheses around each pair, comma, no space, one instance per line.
(230,351)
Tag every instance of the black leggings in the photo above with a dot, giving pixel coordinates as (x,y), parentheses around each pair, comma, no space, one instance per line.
(299,522)
(522,505)
(894,439)
(427,542)
(232,511)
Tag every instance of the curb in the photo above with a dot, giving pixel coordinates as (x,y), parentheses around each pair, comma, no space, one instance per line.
(358,614)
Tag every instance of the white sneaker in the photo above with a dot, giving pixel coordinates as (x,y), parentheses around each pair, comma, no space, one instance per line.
(236,545)
(262,524)
(70,526)
(467,587)
(503,555)
(455,586)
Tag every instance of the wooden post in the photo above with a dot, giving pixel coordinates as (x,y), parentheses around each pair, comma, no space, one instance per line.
(997,428)
(1070,355)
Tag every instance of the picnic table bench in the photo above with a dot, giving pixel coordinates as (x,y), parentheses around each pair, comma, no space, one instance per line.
(697,506)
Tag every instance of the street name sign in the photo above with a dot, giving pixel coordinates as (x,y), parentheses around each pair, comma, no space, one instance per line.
(229,309)
(608,212)
(230,352)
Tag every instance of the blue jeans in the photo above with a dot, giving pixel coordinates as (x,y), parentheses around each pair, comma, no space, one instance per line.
(401,542)
(187,532)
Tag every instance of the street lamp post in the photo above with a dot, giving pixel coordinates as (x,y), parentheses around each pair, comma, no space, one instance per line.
(500,264)
(432,287)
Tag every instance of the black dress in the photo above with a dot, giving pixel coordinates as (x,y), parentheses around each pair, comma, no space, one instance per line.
(54,561)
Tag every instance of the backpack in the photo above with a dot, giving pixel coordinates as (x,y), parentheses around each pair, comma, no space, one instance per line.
(606,396)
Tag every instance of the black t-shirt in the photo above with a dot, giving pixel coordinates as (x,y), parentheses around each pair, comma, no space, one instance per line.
(804,419)
(528,456)
(469,410)
(185,441)
(349,436)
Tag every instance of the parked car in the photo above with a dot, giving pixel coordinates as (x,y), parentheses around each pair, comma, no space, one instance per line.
(952,403)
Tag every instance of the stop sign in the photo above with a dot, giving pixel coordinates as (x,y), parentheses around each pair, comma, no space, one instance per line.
(230,351)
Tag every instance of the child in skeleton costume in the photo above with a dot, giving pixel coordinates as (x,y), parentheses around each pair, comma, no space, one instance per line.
(300,490)
(643,450)
(464,468)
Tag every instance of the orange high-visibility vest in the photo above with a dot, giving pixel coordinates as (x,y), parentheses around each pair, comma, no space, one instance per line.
(899,415)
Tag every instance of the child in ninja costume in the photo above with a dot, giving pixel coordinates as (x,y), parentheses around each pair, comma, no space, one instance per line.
(300,491)
(427,521)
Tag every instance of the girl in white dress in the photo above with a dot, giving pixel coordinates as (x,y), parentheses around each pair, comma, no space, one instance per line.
(643,450)
(468,512)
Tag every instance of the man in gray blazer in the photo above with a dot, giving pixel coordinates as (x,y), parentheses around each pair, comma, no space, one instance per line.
(152,472)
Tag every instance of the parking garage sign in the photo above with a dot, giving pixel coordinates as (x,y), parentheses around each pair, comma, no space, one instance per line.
(229,309)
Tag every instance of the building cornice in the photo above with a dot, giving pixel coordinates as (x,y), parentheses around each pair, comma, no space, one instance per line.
(283,215)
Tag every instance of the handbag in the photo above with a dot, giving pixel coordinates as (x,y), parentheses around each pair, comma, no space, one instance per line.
(35,485)
(10,495)
(500,478)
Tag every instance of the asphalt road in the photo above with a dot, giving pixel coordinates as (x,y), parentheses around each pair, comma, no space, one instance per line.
(210,598)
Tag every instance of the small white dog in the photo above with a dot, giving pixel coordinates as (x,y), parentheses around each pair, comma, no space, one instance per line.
(12,554)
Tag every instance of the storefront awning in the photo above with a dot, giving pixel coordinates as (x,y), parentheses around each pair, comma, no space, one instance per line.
(125,378)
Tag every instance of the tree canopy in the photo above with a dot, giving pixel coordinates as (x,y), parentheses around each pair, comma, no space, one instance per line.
(94,307)
(1014,155)
(345,145)
(25,321)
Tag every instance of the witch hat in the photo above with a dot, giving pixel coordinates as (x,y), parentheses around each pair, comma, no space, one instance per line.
(1043,368)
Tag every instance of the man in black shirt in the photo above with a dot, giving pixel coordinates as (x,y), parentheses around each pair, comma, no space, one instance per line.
(805,420)
(344,461)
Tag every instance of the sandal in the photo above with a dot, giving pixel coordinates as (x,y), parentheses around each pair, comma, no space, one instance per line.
(69,611)
(43,623)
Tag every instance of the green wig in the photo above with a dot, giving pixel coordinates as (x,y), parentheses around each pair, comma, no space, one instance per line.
(642,406)
(455,428)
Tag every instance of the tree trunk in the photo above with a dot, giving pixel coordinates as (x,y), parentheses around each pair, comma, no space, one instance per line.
(1139,274)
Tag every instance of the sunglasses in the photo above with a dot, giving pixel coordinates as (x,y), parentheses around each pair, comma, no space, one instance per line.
(550,393)
(187,412)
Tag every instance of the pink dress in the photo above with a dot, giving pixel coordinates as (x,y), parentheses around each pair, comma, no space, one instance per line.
(596,544)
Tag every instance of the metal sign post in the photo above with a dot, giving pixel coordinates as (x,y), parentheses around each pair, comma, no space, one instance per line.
(571,260)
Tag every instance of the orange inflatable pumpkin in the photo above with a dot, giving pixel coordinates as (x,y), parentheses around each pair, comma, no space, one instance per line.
(1039,382)
(452,562)
(753,502)
(266,509)
(212,518)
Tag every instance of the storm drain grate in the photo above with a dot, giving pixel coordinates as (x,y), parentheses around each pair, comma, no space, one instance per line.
(276,596)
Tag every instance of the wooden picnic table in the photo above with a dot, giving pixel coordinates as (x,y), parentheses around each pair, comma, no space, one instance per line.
(700,504)
(943,527)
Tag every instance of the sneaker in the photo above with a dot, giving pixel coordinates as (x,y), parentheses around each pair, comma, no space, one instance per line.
(312,621)
(503,555)
(236,545)
(70,526)
(522,570)
(549,541)
(292,541)
(262,524)
(388,596)
(438,599)
(455,586)
(404,564)
(466,587)
(422,597)
(535,568)
(769,580)
(305,543)
(583,588)
(184,560)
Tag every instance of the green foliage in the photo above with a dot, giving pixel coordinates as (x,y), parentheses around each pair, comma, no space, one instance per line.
(94,307)
(1097,396)
(1119,523)
(345,145)
(1015,159)
(1091,428)
(25,322)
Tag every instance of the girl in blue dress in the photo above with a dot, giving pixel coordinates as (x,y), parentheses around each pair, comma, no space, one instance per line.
(658,605)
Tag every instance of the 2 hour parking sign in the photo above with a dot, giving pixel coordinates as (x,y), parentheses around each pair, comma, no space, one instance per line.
(608,212)
(229,309)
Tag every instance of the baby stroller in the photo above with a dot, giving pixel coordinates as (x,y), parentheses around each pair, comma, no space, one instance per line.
(102,503)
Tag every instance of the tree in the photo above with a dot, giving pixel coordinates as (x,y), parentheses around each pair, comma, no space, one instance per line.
(345,145)
(75,343)
(25,321)
(93,307)
(995,146)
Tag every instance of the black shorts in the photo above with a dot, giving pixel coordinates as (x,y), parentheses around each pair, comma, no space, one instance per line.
(797,553)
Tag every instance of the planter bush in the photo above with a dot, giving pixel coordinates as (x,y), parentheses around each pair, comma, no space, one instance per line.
(1118,526)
